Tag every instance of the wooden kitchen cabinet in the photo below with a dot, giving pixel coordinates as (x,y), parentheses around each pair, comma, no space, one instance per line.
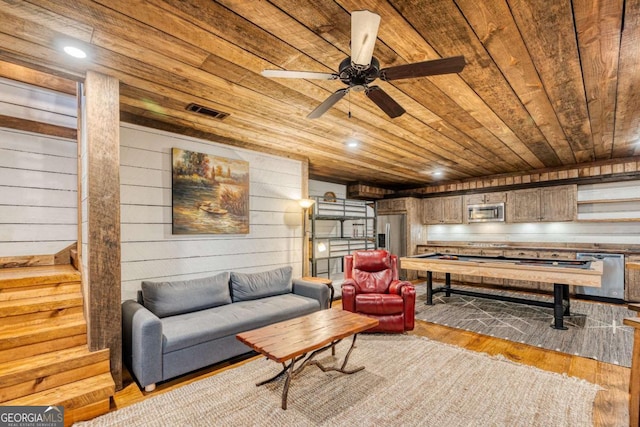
(485,198)
(558,203)
(523,205)
(632,280)
(391,205)
(442,210)
(547,204)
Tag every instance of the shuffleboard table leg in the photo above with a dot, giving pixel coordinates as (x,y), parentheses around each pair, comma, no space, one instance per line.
(429,288)
(447,284)
(566,300)
(558,306)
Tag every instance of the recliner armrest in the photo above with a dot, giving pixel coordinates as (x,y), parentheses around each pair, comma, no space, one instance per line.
(142,342)
(317,291)
(349,295)
(396,286)
(408,293)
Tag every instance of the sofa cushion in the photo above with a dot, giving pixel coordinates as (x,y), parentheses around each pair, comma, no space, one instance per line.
(190,329)
(246,287)
(170,298)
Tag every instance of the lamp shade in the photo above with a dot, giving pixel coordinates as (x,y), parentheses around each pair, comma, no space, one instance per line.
(306,203)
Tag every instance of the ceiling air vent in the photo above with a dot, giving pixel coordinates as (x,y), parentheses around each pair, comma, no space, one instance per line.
(207,111)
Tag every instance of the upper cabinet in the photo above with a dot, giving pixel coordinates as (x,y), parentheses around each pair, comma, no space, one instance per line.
(442,210)
(485,198)
(548,204)
(385,206)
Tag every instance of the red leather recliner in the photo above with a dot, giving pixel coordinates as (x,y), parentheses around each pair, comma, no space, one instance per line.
(372,288)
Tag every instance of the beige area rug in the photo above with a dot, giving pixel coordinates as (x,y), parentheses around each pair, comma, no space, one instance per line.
(408,381)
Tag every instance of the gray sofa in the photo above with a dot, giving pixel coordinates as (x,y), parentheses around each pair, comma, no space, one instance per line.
(177,327)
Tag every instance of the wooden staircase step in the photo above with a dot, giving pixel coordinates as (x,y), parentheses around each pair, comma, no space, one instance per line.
(44,303)
(40,275)
(10,294)
(10,322)
(25,351)
(43,365)
(30,334)
(73,395)
(37,385)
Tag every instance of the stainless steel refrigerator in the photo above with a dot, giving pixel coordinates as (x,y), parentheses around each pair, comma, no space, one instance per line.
(392,233)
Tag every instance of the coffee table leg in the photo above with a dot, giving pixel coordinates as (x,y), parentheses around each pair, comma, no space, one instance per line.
(285,390)
(291,371)
(275,377)
(344,363)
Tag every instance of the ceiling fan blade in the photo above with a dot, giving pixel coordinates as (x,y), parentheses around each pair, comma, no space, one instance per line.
(384,101)
(454,64)
(328,103)
(364,31)
(299,75)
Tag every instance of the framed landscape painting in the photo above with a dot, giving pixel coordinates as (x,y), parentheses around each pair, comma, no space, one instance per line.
(210,194)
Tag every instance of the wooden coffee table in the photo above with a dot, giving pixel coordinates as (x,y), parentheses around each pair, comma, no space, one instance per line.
(291,341)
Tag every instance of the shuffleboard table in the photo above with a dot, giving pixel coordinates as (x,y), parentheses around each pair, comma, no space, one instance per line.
(562,273)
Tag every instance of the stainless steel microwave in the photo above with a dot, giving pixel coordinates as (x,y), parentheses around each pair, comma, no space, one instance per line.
(485,212)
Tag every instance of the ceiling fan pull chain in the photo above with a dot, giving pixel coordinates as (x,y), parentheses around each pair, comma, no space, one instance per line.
(349,115)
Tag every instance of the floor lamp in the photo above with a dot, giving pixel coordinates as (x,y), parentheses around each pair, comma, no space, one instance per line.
(305,204)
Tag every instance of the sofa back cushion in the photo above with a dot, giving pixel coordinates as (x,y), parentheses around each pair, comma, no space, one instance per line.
(170,298)
(245,287)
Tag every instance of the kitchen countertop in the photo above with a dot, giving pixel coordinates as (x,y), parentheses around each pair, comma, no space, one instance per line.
(536,246)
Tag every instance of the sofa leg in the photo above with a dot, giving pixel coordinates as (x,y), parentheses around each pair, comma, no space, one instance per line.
(150,387)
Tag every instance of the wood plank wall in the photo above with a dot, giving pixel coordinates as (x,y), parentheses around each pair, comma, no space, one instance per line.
(38,202)
(151,252)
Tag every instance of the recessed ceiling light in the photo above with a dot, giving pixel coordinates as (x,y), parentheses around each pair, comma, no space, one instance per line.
(437,173)
(75,52)
(352,144)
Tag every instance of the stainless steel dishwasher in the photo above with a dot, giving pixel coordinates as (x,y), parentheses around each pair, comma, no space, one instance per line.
(612,289)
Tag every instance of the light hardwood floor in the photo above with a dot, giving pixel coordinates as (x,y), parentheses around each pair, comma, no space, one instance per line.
(610,408)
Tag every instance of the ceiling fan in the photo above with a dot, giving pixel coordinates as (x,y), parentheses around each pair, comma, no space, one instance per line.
(360,69)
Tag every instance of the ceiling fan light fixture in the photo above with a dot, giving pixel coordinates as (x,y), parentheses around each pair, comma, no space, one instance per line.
(364,31)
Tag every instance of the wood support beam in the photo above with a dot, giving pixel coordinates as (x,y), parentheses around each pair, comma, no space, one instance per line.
(101,133)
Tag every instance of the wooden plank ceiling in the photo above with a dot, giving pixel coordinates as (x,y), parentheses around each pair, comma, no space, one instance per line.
(548,83)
